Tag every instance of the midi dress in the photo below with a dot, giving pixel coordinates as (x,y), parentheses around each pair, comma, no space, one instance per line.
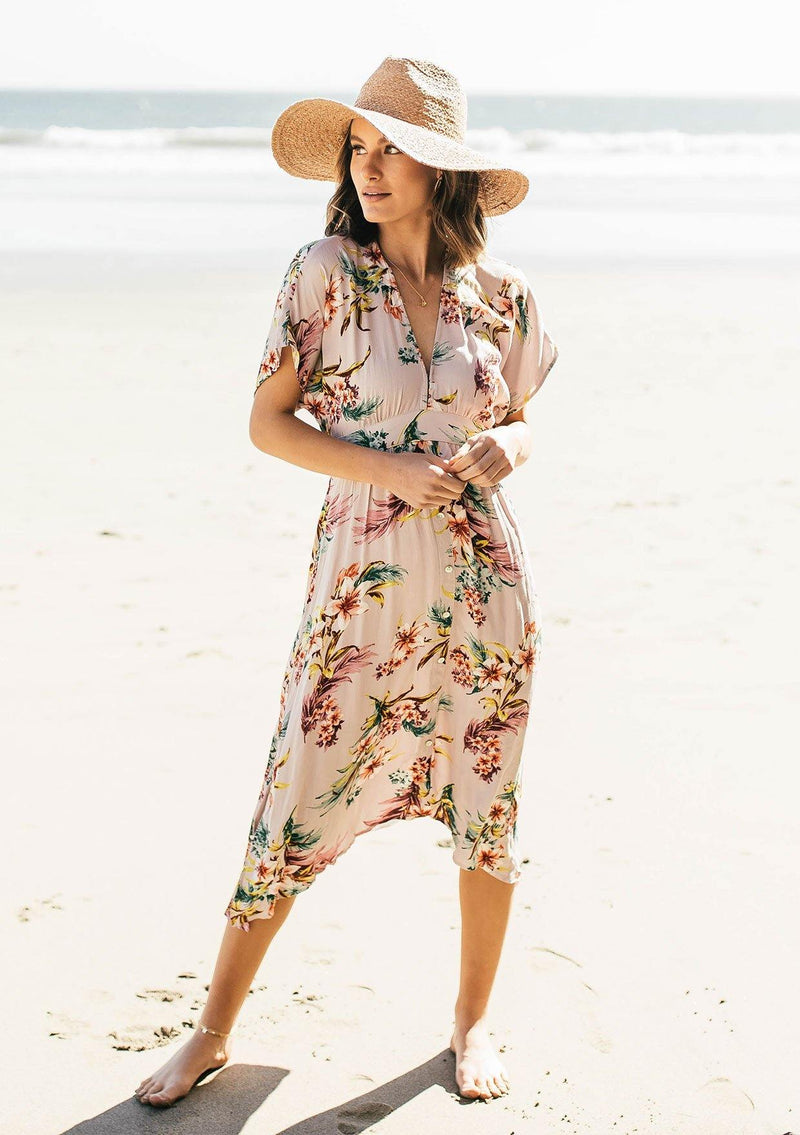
(407,688)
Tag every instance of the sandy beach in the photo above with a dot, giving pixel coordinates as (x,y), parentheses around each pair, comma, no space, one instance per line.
(153,574)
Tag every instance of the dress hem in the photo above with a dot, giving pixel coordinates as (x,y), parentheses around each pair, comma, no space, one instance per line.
(460,857)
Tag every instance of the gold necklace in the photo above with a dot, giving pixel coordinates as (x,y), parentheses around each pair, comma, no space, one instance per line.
(422,301)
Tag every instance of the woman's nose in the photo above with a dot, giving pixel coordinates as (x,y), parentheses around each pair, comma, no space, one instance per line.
(371,169)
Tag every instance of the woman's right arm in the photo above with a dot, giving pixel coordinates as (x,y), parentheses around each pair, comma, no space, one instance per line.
(417,478)
(275,429)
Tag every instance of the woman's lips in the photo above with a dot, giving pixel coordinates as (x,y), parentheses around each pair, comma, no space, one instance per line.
(375,196)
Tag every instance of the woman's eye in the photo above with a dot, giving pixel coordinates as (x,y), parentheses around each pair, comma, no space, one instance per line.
(355,146)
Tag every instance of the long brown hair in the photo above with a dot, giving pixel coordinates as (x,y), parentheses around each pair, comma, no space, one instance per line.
(458,218)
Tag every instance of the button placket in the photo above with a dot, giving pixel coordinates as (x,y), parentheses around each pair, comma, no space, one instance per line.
(447,552)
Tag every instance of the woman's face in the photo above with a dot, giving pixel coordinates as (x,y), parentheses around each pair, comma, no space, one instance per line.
(378,165)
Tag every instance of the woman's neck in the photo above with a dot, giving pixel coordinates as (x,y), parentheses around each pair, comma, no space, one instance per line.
(419,254)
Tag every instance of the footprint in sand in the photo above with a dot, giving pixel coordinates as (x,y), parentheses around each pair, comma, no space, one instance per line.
(64,1025)
(358,1117)
(39,906)
(572,993)
(138,1038)
(160,994)
(721,1107)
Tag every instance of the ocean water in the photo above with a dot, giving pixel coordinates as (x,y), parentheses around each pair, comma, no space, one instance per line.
(191,172)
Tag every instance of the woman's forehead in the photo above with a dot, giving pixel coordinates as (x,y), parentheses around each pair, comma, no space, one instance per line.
(365,127)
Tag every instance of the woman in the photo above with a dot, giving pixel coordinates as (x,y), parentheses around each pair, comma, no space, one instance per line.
(408,685)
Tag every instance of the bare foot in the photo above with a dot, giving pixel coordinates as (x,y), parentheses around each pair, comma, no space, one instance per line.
(178,1076)
(479,1071)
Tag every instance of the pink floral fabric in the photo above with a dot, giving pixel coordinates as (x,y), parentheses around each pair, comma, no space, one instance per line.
(407,689)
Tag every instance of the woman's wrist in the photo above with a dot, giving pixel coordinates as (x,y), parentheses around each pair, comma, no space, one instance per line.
(520,434)
(379,463)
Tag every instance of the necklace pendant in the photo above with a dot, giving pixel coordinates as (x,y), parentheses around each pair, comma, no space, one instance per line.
(423,303)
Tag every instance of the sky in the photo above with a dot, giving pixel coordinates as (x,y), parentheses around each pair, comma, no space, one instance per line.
(626,47)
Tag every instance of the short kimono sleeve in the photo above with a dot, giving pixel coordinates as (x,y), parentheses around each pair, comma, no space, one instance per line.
(298,319)
(532,352)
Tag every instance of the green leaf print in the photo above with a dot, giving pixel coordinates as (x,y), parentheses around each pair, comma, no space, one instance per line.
(362,409)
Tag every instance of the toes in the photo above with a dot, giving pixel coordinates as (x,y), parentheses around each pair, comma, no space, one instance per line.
(160,1099)
(497,1086)
(476,1089)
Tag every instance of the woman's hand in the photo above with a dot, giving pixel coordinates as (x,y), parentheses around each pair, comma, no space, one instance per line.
(486,457)
(423,480)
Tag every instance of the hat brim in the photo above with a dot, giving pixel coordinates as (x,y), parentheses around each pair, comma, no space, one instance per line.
(308,135)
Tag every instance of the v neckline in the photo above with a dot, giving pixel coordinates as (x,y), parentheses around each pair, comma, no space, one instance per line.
(407,321)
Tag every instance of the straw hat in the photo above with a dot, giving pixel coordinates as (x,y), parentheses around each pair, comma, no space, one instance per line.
(419,106)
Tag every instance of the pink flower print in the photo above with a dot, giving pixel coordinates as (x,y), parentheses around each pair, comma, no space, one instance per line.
(315,404)
(458,525)
(524,659)
(481,738)
(333,300)
(346,603)
(406,640)
(345,393)
(328,721)
(474,606)
(390,723)
(484,375)
(496,811)
(373,764)
(420,770)
(451,306)
(487,857)
(492,672)
(503,303)
(349,572)
(362,746)
(412,713)
(407,637)
(269,363)
(487,766)
(392,309)
(315,642)
(461,667)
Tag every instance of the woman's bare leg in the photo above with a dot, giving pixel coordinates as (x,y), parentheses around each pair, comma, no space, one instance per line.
(240,955)
(485,908)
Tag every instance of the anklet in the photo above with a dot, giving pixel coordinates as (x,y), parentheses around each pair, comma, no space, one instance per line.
(212,1031)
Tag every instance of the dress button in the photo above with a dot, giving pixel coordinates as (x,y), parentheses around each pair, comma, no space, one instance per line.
(448,567)
(442,660)
(429,741)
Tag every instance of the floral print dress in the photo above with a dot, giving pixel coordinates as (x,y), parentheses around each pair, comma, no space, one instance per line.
(407,688)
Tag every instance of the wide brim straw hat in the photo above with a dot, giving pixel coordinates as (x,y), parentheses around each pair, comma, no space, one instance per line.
(419,106)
